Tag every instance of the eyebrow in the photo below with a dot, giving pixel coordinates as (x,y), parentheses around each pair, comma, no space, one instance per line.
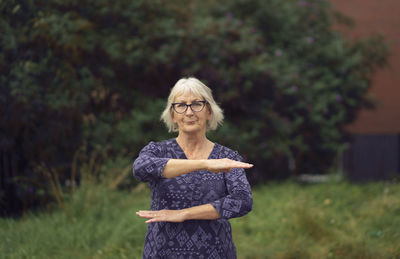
(182,101)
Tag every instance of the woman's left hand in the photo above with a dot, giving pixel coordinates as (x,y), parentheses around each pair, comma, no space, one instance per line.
(162,215)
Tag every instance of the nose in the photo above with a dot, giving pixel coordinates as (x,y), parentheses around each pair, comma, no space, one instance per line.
(189,111)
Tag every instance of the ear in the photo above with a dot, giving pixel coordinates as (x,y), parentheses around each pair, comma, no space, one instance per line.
(209,114)
(173,117)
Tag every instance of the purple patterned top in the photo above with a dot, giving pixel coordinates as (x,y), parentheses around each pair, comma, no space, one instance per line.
(229,193)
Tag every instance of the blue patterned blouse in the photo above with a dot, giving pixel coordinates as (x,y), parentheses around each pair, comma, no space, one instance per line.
(229,193)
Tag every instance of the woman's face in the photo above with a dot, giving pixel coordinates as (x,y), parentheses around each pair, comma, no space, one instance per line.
(191,121)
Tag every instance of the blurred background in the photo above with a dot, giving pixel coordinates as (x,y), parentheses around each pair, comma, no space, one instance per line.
(310,93)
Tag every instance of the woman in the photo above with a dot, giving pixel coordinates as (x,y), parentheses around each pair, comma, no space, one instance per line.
(196,185)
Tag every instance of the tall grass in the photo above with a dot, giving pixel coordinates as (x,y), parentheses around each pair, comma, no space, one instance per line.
(96,222)
(332,220)
(339,220)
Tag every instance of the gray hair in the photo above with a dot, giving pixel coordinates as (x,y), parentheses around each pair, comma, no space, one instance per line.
(196,87)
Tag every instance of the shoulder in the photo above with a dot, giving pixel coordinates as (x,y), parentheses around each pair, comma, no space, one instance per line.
(158,146)
(226,152)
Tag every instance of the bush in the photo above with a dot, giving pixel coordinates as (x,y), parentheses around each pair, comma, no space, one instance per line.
(99,73)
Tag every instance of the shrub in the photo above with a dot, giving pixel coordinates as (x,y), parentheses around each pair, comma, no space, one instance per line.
(98,73)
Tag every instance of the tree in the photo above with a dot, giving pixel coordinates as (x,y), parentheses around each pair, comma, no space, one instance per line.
(99,72)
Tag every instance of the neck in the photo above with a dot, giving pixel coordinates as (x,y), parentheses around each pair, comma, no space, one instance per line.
(192,142)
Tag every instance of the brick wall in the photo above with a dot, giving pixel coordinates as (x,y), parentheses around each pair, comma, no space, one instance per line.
(384,17)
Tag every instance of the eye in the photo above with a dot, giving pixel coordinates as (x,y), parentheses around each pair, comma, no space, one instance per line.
(181,105)
(197,104)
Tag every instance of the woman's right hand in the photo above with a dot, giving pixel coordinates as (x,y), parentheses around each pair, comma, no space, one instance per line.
(225,165)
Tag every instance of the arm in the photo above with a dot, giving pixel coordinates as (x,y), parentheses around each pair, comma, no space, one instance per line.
(237,203)
(206,212)
(176,167)
(150,166)
(239,200)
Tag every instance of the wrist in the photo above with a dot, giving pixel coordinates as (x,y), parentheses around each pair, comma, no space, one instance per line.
(185,214)
(204,164)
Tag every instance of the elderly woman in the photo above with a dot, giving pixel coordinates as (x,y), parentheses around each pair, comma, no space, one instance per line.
(196,185)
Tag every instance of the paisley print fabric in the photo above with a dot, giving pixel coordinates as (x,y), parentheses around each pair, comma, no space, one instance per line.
(229,193)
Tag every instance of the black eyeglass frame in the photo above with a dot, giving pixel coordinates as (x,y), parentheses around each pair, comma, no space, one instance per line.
(188,105)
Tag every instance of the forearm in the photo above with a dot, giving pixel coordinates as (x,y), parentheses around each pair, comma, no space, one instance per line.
(177,167)
(206,212)
(239,200)
(202,212)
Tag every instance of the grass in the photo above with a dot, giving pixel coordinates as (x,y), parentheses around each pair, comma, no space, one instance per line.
(321,221)
(331,220)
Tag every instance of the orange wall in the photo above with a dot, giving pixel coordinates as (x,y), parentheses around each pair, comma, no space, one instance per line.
(372,16)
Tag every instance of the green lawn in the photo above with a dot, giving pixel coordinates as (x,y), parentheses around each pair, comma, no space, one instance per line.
(332,220)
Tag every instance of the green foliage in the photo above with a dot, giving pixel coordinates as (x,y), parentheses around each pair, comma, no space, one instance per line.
(331,220)
(95,223)
(98,73)
(128,135)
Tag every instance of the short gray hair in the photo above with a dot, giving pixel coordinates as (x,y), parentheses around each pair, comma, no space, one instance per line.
(196,87)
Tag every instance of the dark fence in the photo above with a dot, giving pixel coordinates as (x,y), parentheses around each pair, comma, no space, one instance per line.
(373,157)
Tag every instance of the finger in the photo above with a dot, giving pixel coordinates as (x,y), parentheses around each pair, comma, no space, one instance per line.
(145,211)
(146,214)
(243,165)
(159,218)
(149,211)
(152,220)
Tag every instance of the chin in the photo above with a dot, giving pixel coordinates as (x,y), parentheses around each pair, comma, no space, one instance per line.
(192,129)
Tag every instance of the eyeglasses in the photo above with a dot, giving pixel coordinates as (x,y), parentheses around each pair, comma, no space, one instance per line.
(196,106)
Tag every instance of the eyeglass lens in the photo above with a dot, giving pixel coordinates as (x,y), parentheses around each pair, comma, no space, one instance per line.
(182,107)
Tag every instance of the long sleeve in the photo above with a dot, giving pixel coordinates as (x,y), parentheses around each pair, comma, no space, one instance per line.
(150,164)
(239,200)
(229,193)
